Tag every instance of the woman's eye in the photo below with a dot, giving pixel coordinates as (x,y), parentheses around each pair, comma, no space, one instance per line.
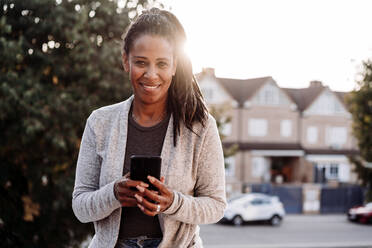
(140,63)
(162,64)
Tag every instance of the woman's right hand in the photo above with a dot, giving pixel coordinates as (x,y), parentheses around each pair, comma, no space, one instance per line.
(125,189)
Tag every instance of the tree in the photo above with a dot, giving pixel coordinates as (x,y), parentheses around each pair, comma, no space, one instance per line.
(220,113)
(60,59)
(360,105)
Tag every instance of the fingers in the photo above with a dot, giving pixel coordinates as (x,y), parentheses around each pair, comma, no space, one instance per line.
(131,183)
(147,207)
(128,202)
(151,195)
(149,200)
(125,191)
(146,211)
(159,184)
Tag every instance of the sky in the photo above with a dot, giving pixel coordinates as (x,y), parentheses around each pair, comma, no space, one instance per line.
(293,41)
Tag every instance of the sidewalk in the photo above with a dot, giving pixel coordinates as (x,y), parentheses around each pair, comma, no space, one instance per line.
(296,231)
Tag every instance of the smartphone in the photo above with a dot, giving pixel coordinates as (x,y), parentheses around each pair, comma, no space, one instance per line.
(142,166)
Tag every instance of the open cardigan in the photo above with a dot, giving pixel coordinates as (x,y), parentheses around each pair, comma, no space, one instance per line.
(194,170)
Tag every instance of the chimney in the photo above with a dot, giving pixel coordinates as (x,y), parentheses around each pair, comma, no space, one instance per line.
(315,83)
(208,71)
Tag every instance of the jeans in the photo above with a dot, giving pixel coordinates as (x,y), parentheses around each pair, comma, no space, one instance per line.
(139,242)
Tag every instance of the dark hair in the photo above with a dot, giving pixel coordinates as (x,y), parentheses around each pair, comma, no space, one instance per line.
(185,100)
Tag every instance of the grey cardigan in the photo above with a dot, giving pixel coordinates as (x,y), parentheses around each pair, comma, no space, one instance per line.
(194,170)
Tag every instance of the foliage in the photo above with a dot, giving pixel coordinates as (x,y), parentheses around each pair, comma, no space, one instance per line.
(60,59)
(220,113)
(360,105)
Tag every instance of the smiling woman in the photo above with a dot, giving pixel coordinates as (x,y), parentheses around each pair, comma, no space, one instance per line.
(151,66)
(166,117)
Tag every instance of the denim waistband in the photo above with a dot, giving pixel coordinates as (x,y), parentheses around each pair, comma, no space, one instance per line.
(138,242)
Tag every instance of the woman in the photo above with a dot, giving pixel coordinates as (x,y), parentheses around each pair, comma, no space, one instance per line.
(165,116)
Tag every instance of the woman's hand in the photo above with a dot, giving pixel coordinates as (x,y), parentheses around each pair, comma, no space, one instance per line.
(151,202)
(125,189)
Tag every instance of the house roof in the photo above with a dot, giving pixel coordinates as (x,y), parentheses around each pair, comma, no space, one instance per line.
(341,96)
(242,90)
(304,97)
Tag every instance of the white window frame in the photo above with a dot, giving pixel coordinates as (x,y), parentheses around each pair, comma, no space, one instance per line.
(336,136)
(257,127)
(286,128)
(312,134)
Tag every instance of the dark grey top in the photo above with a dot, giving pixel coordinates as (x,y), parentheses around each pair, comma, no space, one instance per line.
(141,141)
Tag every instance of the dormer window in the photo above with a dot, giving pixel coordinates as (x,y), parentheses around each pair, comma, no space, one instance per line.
(270,95)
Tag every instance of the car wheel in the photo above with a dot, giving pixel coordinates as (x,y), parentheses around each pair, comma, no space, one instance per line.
(275,220)
(238,220)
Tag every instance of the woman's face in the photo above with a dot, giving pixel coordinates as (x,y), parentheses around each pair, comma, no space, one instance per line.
(151,65)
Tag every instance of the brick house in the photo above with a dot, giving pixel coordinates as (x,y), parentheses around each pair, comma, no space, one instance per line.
(285,135)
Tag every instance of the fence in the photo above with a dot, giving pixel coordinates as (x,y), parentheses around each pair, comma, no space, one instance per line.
(332,200)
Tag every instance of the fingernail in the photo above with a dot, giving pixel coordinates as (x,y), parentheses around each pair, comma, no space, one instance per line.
(141,189)
(140,207)
(139,198)
(151,179)
(144,184)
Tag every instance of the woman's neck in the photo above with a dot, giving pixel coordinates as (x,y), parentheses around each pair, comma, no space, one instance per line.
(148,115)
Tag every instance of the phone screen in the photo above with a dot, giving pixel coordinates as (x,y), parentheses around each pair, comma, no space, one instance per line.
(143,166)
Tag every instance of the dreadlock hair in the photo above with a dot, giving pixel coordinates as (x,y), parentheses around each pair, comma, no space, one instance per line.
(185,101)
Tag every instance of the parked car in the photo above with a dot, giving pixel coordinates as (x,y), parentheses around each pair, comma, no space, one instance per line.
(362,214)
(254,207)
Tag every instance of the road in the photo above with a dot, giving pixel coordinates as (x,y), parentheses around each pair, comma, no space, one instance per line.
(296,231)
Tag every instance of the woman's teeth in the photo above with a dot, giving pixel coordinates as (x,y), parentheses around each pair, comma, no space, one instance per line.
(150,87)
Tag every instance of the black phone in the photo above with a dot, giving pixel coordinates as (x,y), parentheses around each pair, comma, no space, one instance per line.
(142,166)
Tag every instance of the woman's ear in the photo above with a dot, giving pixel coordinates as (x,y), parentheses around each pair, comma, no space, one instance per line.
(125,61)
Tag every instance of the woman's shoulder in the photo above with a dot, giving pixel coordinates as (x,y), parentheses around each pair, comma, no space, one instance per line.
(110,112)
(201,129)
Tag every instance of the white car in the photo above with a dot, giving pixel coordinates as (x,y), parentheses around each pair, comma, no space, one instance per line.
(254,207)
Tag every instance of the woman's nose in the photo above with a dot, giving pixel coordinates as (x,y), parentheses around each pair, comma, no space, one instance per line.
(151,72)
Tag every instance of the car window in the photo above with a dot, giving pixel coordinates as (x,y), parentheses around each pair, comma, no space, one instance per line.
(256,202)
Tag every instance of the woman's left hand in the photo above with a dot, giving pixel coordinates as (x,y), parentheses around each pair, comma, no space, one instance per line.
(152,202)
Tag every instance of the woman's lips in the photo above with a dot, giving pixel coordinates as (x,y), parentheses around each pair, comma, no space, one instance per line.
(150,87)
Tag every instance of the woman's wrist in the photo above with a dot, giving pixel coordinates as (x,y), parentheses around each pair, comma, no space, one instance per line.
(170,202)
(116,190)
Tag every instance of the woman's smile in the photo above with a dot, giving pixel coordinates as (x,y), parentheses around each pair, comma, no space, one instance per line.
(150,88)
(151,66)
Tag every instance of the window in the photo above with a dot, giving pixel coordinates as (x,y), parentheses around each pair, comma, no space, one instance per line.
(327,104)
(258,166)
(333,170)
(286,128)
(270,95)
(230,166)
(312,134)
(336,136)
(257,127)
